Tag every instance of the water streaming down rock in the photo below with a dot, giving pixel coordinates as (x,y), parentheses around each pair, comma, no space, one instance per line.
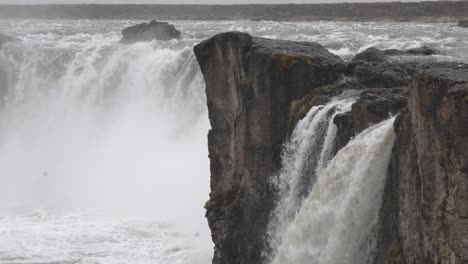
(91,126)
(304,156)
(337,222)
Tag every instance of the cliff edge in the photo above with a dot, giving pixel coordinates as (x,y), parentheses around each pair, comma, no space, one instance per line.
(257,89)
(250,85)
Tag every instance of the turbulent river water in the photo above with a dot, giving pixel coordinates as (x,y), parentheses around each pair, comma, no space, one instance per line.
(103,150)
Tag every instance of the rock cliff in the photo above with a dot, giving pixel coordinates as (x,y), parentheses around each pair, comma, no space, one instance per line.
(257,89)
(426,195)
(250,85)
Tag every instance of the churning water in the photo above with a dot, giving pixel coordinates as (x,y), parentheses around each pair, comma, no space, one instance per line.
(103,152)
(304,157)
(337,222)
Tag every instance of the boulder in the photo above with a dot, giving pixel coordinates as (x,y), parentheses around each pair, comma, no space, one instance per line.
(250,85)
(150,31)
(421,51)
(381,75)
(375,69)
(375,55)
(371,55)
(463,23)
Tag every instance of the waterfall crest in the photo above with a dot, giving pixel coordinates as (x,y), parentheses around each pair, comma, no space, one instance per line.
(337,222)
(304,156)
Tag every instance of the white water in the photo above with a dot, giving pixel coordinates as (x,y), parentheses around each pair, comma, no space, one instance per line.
(103,152)
(304,156)
(337,222)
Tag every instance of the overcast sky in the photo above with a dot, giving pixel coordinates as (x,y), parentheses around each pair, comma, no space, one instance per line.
(180,1)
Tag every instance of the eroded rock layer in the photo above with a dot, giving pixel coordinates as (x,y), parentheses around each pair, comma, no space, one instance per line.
(428,175)
(250,85)
(258,89)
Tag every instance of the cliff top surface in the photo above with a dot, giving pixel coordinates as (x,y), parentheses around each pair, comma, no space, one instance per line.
(266,45)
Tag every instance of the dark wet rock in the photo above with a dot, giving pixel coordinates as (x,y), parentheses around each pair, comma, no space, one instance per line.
(150,31)
(380,75)
(463,23)
(421,51)
(425,207)
(6,38)
(375,68)
(374,55)
(250,85)
(299,108)
(372,107)
(258,89)
(371,55)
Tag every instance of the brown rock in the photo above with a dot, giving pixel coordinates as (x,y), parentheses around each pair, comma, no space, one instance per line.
(250,85)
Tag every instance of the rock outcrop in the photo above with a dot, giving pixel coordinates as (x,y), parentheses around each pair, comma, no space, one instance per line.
(463,23)
(258,89)
(153,30)
(426,197)
(250,85)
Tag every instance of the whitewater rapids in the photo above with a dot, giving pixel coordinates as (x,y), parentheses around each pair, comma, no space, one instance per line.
(337,223)
(103,150)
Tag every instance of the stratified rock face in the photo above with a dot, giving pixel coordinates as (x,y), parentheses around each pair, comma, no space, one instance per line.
(6,38)
(463,23)
(427,189)
(250,85)
(150,31)
(258,89)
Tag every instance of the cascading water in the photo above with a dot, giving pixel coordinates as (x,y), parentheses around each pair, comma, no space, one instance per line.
(307,153)
(337,222)
(103,146)
(103,152)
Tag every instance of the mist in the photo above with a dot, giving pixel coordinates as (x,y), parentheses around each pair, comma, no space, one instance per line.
(126,136)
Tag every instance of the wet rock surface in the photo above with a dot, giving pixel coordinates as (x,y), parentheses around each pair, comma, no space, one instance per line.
(258,89)
(463,23)
(153,30)
(428,175)
(250,85)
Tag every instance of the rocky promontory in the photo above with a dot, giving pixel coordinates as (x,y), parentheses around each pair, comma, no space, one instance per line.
(153,30)
(250,85)
(257,89)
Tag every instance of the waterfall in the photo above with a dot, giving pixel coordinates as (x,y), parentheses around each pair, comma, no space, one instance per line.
(91,126)
(337,221)
(304,156)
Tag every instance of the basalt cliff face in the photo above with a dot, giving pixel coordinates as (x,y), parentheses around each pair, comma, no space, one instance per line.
(250,85)
(426,197)
(258,89)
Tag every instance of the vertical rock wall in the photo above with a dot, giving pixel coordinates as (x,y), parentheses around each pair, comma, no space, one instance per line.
(428,175)
(250,84)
